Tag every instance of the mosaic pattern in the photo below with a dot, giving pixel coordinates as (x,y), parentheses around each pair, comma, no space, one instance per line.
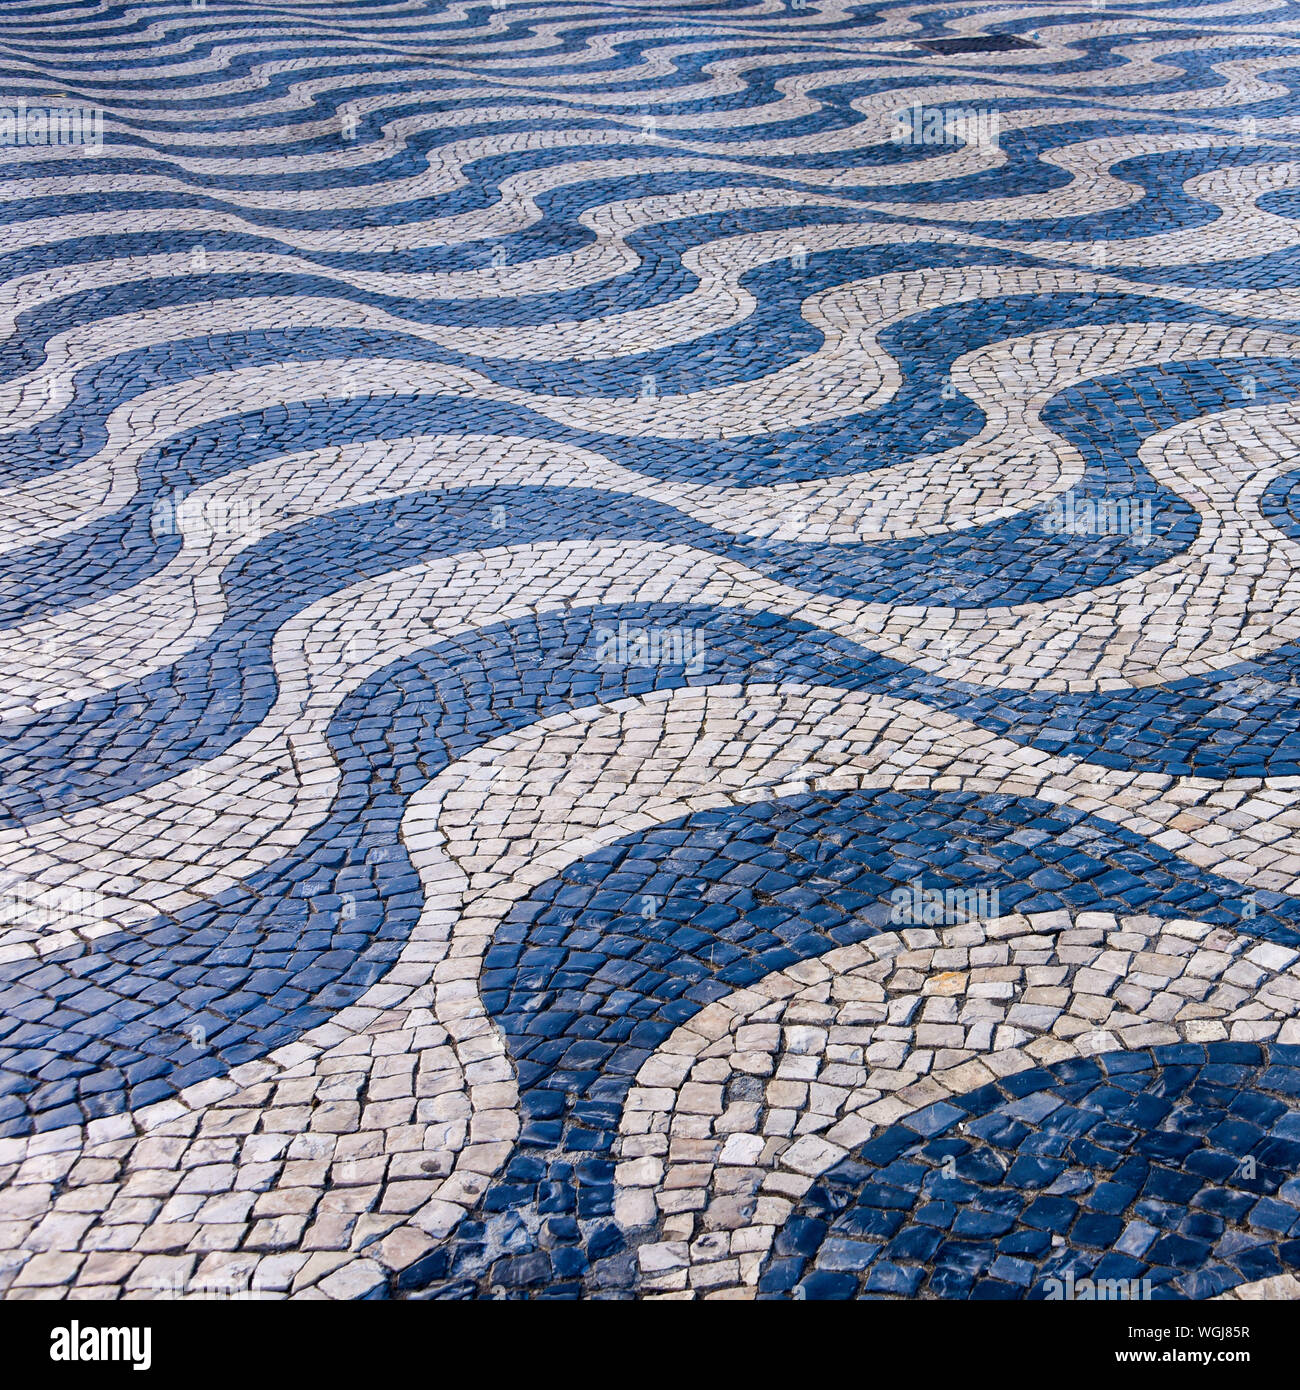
(1032,1179)
(650,650)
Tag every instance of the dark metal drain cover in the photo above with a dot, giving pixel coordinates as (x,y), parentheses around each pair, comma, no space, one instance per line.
(976,43)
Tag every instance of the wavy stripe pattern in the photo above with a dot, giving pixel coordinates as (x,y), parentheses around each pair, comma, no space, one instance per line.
(649,651)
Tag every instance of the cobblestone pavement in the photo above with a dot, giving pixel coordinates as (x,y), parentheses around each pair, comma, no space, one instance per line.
(649,649)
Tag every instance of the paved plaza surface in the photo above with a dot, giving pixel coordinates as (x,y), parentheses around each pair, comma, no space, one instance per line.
(649,649)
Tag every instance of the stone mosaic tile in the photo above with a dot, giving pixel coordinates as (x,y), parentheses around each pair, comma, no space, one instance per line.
(649,653)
